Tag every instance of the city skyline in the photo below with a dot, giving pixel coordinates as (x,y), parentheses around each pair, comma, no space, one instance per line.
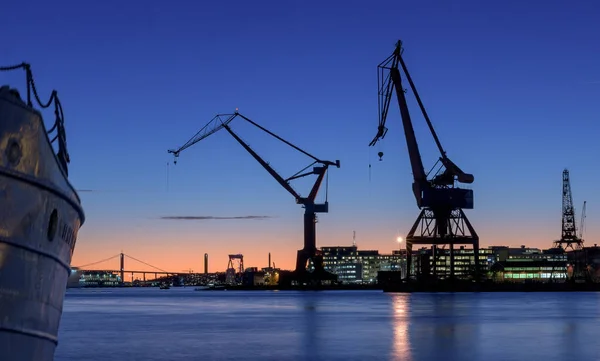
(511,105)
(219,265)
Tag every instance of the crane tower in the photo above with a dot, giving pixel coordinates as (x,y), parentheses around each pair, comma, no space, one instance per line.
(235,269)
(569,237)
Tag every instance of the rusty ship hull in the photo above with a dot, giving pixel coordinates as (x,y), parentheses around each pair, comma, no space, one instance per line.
(40,216)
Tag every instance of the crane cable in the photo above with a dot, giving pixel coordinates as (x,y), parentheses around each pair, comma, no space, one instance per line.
(380,153)
(167,177)
(103,260)
(326,187)
(369,165)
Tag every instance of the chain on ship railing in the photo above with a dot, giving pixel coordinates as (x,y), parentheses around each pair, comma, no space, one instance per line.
(59,123)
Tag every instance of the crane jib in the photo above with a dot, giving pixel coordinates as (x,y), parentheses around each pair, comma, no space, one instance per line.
(390,79)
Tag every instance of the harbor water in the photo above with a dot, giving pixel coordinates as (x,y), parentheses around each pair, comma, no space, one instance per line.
(182,324)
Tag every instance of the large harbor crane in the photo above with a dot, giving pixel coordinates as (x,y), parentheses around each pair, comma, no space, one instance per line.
(441,220)
(309,261)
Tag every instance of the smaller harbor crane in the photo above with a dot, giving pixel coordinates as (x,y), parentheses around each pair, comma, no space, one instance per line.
(582,223)
(309,261)
(570,238)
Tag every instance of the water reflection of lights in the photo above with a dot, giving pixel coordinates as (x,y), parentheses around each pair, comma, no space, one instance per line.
(400,320)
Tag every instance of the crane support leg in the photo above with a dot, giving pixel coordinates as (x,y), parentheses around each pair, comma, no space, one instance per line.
(310,232)
(440,227)
(311,253)
(451,261)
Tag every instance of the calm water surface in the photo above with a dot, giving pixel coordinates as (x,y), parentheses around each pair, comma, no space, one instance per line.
(183,324)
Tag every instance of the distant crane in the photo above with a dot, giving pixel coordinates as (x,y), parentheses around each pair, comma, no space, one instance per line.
(582,223)
(568,237)
(309,254)
(234,273)
(442,220)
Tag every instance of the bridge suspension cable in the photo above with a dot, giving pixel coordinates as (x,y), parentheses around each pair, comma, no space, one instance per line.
(147,264)
(104,260)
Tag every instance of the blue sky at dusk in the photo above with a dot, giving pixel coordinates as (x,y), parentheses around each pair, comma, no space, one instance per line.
(512,88)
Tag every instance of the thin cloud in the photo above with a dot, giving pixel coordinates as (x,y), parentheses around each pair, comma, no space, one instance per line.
(85,190)
(204,218)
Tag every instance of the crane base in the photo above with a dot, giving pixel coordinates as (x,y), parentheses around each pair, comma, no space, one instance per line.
(307,273)
(441,228)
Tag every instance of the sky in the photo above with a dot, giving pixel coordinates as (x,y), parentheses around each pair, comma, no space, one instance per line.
(511,87)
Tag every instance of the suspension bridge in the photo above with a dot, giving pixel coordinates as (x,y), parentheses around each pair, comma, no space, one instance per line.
(131,272)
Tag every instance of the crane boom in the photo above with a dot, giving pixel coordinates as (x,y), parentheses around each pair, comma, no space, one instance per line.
(217,123)
(582,223)
(425,191)
(452,169)
(222,121)
(265,165)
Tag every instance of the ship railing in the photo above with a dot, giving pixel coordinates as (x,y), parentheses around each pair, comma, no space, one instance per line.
(58,128)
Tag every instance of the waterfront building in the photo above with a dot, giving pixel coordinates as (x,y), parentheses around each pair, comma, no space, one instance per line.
(371,263)
(343,261)
(500,263)
(592,259)
(358,266)
(99,279)
(253,277)
(435,262)
(531,264)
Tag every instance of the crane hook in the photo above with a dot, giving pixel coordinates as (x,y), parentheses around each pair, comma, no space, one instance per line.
(380,154)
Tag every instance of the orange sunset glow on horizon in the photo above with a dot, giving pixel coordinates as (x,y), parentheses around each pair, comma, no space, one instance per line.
(185,251)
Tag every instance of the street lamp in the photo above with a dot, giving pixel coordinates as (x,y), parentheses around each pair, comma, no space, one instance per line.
(399,240)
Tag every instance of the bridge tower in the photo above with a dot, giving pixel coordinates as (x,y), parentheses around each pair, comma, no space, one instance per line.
(122,257)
